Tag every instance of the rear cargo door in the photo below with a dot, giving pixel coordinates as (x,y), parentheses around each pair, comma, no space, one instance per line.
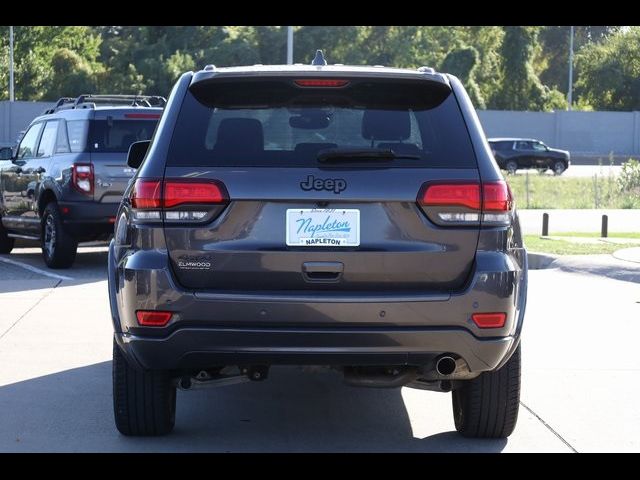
(321,187)
(110,135)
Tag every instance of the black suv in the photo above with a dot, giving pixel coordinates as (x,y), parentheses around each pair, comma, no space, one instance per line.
(66,178)
(514,153)
(350,217)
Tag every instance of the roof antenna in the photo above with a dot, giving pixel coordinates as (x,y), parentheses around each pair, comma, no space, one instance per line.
(319,59)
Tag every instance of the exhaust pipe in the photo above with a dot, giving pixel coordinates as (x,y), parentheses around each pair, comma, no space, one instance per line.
(445,365)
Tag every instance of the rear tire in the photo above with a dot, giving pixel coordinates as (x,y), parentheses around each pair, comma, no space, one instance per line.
(511,166)
(144,401)
(487,406)
(6,243)
(58,247)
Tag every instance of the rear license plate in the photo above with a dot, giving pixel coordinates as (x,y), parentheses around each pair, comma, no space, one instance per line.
(311,227)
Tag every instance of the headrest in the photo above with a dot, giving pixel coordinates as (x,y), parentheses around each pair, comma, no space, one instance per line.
(386,125)
(244,134)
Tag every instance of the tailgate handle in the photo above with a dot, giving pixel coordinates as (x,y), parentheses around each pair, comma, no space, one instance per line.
(322,271)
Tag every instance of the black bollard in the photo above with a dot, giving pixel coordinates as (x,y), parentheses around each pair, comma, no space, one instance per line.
(604,231)
(545,224)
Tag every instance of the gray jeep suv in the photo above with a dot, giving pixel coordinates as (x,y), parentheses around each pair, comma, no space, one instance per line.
(64,182)
(350,217)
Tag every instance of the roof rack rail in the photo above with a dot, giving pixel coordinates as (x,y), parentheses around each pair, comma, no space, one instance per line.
(91,101)
(62,101)
(132,100)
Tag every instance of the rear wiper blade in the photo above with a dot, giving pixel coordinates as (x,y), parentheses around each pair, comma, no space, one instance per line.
(361,155)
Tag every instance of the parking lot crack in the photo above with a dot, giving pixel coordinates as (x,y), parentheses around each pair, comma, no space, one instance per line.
(29,310)
(549,427)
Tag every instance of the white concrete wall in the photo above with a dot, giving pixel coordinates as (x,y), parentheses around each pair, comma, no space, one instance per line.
(579,132)
(15,116)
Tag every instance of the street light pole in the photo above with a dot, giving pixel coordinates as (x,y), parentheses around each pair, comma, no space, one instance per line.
(289,45)
(570,92)
(11,95)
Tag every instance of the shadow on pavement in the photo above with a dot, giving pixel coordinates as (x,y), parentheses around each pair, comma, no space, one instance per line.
(90,266)
(293,411)
(600,265)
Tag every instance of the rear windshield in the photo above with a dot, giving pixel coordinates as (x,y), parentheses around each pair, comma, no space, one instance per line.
(118,135)
(272,124)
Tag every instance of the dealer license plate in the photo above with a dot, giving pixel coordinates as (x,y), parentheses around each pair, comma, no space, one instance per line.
(311,227)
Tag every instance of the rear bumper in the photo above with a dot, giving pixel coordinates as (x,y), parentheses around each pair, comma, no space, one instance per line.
(195,348)
(209,329)
(88,218)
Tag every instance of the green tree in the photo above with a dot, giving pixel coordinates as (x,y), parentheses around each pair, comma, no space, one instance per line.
(34,50)
(609,72)
(553,62)
(487,40)
(462,62)
(521,88)
(71,75)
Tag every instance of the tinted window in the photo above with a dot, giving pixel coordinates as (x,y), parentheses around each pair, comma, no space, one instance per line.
(524,146)
(77,134)
(27,146)
(539,147)
(118,135)
(48,139)
(62,142)
(247,126)
(501,146)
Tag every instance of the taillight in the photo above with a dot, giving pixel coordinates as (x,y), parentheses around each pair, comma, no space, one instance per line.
(456,194)
(321,82)
(153,318)
(497,203)
(489,320)
(146,194)
(177,200)
(465,203)
(146,200)
(82,177)
(496,197)
(180,192)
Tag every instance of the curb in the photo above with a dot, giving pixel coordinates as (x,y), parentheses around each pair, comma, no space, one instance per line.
(539,261)
(628,254)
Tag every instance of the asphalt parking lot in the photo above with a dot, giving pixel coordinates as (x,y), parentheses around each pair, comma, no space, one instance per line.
(581,379)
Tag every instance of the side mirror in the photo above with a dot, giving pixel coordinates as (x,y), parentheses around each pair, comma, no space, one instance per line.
(6,153)
(137,151)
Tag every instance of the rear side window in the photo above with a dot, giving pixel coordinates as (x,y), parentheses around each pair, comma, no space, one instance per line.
(62,141)
(77,134)
(272,124)
(118,135)
(501,146)
(524,146)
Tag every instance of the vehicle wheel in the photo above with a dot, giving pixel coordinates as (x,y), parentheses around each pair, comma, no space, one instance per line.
(559,168)
(487,406)
(58,247)
(144,401)
(6,243)
(511,166)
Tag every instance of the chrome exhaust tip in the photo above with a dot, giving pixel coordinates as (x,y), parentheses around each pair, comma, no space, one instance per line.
(445,365)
